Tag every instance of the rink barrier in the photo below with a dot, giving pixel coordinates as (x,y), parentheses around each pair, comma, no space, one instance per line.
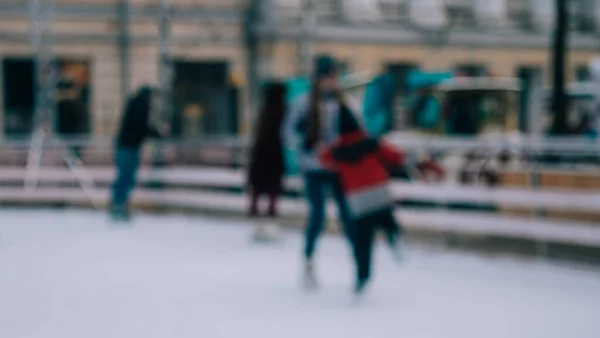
(190,189)
(202,177)
(439,220)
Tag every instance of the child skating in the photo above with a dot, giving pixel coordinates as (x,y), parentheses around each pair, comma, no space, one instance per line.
(362,164)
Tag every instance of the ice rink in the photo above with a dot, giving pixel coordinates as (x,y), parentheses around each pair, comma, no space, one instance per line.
(72,274)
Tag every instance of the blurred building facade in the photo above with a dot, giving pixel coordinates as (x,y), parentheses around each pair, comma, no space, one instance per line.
(108,48)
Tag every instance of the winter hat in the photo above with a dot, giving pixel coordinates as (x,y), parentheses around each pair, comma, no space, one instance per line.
(324,65)
(347,121)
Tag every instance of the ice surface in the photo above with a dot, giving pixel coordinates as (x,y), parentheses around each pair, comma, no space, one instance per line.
(74,275)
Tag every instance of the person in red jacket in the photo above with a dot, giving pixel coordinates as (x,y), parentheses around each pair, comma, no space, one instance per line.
(363,164)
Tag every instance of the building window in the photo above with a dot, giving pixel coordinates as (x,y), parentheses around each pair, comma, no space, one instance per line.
(394,10)
(330,10)
(528,77)
(460,13)
(72,109)
(582,16)
(205,100)
(519,14)
(471,70)
(582,73)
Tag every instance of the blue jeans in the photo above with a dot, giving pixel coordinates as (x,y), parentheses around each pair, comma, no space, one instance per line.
(317,184)
(127,161)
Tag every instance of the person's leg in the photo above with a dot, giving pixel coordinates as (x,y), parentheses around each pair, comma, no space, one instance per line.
(127,162)
(119,192)
(390,226)
(253,210)
(273,196)
(363,248)
(344,212)
(133,163)
(393,232)
(315,194)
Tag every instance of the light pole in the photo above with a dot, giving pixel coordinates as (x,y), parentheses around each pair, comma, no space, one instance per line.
(124,47)
(164,111)
(559,53)
(306,45)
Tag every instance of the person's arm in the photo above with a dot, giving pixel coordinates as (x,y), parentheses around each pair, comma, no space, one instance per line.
(157,131)
(356,109)
(290,135)
(390,154)
(326,158)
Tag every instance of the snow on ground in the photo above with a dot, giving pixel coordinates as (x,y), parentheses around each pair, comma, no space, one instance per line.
(72,274)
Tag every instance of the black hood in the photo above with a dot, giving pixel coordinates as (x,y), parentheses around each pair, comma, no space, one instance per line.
(356,151)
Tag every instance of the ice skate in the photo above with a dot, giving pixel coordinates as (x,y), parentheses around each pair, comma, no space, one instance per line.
(310,279)
(360,288)
(120,214)
(396,246)
(266,233)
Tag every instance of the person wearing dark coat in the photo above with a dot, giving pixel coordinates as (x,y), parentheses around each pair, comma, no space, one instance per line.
(266,170)
(135,129)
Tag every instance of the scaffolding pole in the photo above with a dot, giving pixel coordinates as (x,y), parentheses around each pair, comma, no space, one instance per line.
(309,28)
(41,15)
(46,78)
(124,47)
(164,110)
(41,38)
(165,75)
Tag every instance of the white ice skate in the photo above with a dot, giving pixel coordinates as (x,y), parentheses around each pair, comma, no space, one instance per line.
(310,279)
(266,233)
(397,249)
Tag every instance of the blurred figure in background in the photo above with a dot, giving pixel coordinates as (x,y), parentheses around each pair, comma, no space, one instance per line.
(135,128)
(363,164)
(267,167)
(312,120)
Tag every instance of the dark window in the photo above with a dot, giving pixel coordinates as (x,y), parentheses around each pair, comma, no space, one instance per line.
(527,75)
(582,73)
(72,99)
(472,69)
(205,101)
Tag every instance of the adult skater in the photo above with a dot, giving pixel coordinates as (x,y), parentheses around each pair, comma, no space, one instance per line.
(135,128)
(362,164)
(312,120)
(265,173)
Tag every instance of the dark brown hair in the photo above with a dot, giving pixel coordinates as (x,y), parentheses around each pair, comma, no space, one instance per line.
(313,131)
(271,114)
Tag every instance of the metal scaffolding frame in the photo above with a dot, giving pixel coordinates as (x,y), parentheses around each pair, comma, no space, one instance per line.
(306,43)
(165,65)
(164,110)
(46,79)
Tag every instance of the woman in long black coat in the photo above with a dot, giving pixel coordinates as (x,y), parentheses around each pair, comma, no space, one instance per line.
(265,174)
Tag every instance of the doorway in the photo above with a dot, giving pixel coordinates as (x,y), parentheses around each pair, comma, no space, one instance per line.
(19,100)
(73,95)
(527,76)
(205,101)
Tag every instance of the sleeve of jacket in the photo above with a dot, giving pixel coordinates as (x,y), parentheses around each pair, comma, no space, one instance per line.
(152,132)
(390,154)
(326,158)
(290,135)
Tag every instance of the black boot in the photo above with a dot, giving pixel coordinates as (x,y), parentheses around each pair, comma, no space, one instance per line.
(119,213)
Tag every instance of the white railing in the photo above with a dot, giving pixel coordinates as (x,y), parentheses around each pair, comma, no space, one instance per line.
(198,188)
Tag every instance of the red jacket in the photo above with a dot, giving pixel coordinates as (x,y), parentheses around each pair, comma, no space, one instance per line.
(363,164)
